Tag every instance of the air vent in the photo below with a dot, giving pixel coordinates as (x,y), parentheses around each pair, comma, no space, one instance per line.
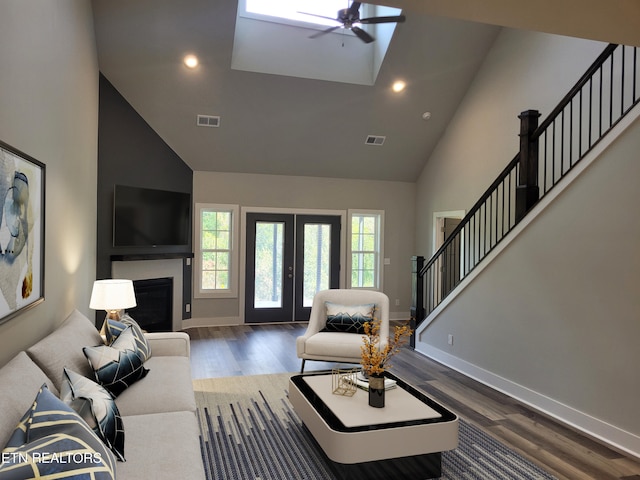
(374,140)
(208,121)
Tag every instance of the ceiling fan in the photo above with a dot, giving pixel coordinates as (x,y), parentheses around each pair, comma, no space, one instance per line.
(350,17)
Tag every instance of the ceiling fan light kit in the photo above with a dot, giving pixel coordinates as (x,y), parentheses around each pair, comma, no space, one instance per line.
(350,18)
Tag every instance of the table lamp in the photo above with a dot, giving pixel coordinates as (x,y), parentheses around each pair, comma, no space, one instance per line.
(112,295)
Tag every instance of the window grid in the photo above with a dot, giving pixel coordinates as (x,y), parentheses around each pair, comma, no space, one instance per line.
(364,250)
(216,249)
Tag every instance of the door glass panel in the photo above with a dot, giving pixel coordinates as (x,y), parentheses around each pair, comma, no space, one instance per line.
(317,250)
(269,273)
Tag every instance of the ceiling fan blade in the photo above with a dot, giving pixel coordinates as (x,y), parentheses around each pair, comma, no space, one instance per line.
(323,32)
(354,8)
(319,16)
(362,35)
(396,19)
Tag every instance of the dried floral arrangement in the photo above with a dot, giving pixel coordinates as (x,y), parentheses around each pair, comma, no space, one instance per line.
(374,360)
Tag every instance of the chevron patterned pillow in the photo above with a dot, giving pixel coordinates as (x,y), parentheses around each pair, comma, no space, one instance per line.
(52,441)
(348,318)
(95,405)
(119,365)
(113,329)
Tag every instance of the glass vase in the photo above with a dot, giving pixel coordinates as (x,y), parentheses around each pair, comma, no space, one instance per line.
(376,390)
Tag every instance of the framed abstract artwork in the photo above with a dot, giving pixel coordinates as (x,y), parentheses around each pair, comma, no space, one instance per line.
(22,194)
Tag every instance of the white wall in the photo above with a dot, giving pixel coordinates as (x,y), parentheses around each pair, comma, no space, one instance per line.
(49,110)
(523,71)
(397,199)
(553,319)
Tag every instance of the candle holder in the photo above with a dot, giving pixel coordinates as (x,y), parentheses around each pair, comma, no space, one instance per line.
(343,381)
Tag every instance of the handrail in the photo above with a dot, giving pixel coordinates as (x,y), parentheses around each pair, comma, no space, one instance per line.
(597,102)
(476,207)
(595,66)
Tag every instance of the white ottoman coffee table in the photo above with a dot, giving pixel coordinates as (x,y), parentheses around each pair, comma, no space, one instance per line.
(404,439)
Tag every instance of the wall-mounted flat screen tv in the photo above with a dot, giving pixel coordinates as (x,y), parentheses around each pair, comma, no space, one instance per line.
(144,217)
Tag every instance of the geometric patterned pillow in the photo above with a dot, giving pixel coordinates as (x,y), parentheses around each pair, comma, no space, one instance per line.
(348,318)
(52,441)
(95,405)
(113,329)
(118,366)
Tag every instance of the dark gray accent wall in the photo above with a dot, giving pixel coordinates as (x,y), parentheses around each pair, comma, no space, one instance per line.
(131,153)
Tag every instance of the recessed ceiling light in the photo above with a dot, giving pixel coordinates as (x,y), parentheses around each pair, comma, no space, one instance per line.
(191,61)
(398,86)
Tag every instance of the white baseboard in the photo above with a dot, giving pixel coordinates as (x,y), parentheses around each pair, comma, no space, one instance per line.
(210,322)
(610,434)
(614,436)
(229,321)
(399,316)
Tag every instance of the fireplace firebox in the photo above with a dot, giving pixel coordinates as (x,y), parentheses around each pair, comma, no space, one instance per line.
(154,310)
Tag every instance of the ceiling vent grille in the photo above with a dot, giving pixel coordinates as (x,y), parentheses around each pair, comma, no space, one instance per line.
(374,140)
(208,121)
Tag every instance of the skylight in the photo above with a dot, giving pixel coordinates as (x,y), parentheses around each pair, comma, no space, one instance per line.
(292,10)
(272,37)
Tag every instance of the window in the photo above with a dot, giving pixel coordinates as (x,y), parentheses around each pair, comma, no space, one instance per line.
(366,249)
(217,251)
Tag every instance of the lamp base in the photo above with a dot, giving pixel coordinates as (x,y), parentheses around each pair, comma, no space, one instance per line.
(113,314)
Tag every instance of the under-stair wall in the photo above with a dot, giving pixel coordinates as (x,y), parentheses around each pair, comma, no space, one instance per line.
(554,319)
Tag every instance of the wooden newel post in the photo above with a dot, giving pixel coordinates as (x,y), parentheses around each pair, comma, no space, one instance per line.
(527,191)
(417,296)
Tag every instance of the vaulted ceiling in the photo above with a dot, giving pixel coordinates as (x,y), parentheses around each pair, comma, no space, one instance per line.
(279,124)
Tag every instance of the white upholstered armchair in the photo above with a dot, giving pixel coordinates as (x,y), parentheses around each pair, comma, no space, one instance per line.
(340,346)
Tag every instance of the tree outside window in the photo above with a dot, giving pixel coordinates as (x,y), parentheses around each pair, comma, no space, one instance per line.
(216,253)
(365,250)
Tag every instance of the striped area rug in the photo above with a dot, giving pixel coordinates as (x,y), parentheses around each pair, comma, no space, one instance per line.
(251,432)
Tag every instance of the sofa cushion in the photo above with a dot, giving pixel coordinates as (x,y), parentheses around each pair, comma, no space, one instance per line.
(113,329)
(166,388)
(52,441)
(119,365)
(20,378)
(348,318)
(96,406)
(162,446)
(334,344)
(63,348)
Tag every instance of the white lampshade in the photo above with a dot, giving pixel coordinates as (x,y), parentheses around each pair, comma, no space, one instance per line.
(115,294)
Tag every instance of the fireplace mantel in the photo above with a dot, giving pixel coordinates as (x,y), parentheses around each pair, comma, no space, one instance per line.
(132,257)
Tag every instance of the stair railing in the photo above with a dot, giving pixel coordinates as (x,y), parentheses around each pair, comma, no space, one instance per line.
(607,91)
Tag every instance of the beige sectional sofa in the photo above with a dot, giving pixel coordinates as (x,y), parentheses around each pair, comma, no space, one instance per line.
(158,411)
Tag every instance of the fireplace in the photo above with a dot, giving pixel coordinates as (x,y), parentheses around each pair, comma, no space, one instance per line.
(154,298)
(137,270)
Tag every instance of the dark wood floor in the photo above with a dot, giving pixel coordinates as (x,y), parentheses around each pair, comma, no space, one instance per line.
(563,452)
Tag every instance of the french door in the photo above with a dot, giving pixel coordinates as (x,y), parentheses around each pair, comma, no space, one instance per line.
(288,259)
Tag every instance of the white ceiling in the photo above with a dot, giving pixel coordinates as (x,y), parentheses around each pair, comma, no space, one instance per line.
(284,125)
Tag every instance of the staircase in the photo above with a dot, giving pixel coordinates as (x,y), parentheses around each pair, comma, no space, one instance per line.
(549,151)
